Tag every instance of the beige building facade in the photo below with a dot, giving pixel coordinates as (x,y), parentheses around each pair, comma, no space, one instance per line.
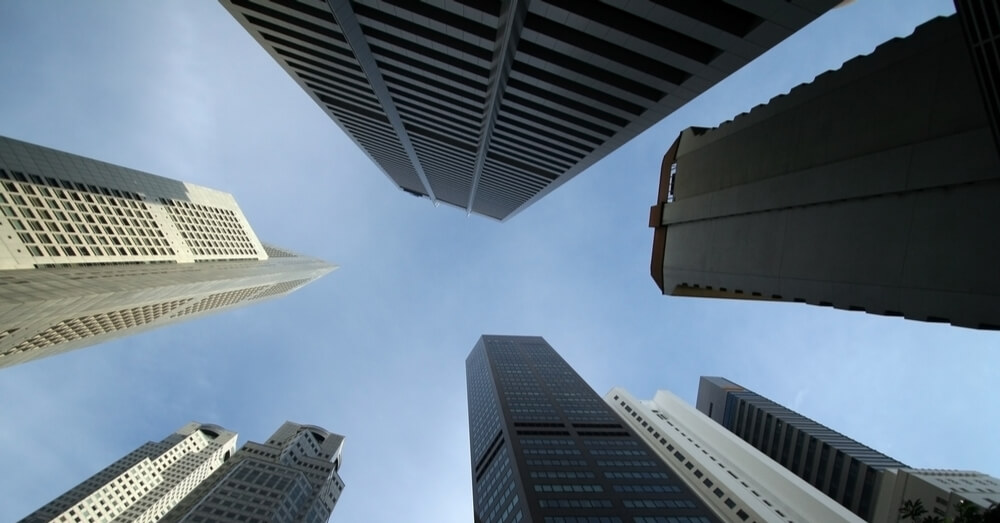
(148,482)
(91,251)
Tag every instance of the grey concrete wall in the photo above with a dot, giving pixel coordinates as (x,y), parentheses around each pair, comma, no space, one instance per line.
(873,188)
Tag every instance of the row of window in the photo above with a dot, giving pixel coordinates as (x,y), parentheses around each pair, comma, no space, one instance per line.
(568,488)
(561,474)
(659,503)
(546,441)
(575,503)
(556,452)
(617,452)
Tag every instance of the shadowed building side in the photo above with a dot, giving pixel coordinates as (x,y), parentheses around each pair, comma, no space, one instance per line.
(873,188)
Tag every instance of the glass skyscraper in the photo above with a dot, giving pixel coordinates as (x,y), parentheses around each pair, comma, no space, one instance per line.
(547,449)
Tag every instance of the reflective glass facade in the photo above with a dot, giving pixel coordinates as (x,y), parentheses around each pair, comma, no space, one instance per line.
(546,448)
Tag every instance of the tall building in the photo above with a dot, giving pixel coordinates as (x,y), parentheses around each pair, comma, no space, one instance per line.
(546,449)
(873,188)
(293,478)
(91,251)
(738,481)
(146,483)
(941,492)
(490,105)
(847,471)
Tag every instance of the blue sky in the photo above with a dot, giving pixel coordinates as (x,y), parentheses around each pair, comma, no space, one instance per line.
(376,350)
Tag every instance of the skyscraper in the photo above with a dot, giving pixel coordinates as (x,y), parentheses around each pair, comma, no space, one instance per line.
(91,251)
(293,478)
(735,479)
(847,471)
(146,483)
(941,492)
(546,449)
(873,188)
(490,105)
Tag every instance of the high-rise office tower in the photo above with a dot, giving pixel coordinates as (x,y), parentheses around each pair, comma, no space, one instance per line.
(873,188)
(845,470)
(146,483)
(546,449)
(738,481)
(490,105)
(91,251)
(293,478)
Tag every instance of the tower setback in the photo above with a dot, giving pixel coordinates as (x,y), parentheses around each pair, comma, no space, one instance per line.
(91,251)
(292,478)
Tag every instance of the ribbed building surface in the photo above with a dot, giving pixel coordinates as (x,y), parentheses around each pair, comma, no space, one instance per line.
(981,27)
(847,471)
(91,251)
(292,478)
(488,105)
(145,484)
(547,449)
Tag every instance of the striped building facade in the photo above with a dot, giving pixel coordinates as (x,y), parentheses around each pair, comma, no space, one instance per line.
(490,105)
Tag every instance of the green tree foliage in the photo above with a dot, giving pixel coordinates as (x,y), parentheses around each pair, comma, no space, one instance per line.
(914,510)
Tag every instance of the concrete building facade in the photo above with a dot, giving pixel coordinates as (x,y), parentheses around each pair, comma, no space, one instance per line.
(145,484)
(490,105)
(739,482)
(940,491)
(546,449)
(292,478)
(91,251)
(840,467)
(873,188)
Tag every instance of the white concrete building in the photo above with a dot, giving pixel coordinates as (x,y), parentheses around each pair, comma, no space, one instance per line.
(740,483)
(147,482)
(940,491)
(292,478)
(90,250)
